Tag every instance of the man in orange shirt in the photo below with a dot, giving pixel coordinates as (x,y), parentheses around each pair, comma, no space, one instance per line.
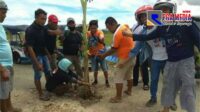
(96,46)
(122,46)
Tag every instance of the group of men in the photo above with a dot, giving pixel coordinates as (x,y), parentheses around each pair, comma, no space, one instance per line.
(169,47)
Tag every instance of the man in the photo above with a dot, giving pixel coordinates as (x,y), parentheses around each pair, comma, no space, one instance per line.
(158,49)
(6,66)
(51,39)
(58,82)
(97,46)
(35,41)
(179,69)
(72,45)
(122,46)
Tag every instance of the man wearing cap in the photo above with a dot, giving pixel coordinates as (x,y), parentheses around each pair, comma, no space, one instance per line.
(6,66)
(72,44)
(51,38)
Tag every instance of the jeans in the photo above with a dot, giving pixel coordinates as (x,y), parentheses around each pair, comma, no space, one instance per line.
(156,67)
(46,66)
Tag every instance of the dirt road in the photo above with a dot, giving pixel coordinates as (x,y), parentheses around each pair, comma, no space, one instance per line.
(25,96)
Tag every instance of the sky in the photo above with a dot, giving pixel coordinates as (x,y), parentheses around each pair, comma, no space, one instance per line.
(21,12)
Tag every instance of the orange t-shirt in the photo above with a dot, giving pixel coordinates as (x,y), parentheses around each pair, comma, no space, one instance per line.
(122,43)
(94,50)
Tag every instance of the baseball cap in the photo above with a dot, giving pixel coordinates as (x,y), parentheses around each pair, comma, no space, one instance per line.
(3,5)
(64,64)
(70,20)
(53,18)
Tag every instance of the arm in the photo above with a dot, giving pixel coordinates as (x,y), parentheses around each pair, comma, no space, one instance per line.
(34,59)
(147,36)
(108,53)
(55,32)
(151,34)
(101,37)
(4,73)
(136,49)
(195,34)
(133,53)
(30,41)
(48,55)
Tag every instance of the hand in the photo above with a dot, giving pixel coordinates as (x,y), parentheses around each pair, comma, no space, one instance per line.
(82,48)
(127,33)
(39,67)
(58,31)
(5,74)
(101,56)
(49,57)
(55,32)
(86,84)
(120,65)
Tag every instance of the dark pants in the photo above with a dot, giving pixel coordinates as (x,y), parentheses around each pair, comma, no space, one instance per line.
(144,72)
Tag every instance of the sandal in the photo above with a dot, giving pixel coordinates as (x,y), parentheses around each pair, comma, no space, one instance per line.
(115,100)
(95,82)
(173,107)
(127,92)
(44,98)
(146,87)
(107,84)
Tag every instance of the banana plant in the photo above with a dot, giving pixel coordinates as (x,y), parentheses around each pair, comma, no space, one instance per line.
(85,61)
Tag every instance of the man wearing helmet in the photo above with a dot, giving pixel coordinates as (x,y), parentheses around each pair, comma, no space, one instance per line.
(142,58)
(155,48)
(179,69)
(61,77)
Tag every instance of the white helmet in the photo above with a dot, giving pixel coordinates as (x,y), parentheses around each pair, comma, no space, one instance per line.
(166,3)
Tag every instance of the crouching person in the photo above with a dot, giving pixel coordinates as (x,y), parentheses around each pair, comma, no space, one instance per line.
(60,79)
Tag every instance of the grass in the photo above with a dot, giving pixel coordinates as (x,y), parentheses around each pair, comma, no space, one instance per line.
(108,38)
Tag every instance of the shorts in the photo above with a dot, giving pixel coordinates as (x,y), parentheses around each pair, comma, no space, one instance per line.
(95,64)
(6,86)
(124,73)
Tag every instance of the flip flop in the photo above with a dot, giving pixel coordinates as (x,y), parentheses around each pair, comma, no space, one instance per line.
(115,100)
(146,87)
(127,92)
(107,85)
(44,98)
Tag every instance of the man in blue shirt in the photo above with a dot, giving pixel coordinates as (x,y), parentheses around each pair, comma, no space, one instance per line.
(6,66)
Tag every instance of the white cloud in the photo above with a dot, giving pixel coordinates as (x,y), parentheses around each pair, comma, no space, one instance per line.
(22,12)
